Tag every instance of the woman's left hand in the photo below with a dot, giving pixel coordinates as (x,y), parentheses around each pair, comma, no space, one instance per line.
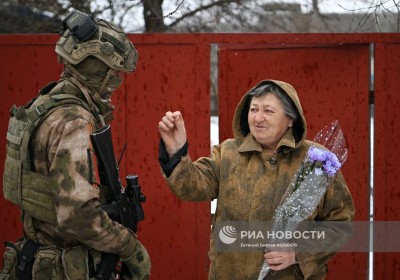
(280,260)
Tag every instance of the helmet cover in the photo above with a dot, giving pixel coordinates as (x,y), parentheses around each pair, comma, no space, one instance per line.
(84,36)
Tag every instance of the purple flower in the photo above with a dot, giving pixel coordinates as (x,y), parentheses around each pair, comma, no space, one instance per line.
(318,171)
(329,161)
(333,160)
(329,168)
(316,154)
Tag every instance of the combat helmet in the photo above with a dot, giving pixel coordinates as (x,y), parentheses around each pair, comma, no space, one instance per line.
(83,36)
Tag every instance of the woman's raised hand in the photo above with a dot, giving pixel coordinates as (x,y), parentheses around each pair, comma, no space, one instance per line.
(173,132)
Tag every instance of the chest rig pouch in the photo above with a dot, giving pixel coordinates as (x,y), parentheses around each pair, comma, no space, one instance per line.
(30,190)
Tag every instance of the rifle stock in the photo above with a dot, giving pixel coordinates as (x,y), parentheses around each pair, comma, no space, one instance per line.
(125,207)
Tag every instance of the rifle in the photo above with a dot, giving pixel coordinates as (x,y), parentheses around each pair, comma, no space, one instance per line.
(125,206)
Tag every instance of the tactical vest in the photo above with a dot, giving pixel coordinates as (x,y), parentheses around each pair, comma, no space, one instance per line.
(31,191)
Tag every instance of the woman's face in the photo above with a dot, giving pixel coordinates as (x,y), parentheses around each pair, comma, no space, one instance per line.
(267,120)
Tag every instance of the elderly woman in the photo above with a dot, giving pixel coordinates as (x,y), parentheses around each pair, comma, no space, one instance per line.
(249,175)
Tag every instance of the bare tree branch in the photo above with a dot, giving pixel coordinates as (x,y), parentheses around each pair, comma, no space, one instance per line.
(202,8)
(173,12)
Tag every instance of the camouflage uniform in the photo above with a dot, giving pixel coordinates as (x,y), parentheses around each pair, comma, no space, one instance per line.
(60,149)
(249,187)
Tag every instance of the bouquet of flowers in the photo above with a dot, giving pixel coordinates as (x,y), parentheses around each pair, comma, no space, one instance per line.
(310,182)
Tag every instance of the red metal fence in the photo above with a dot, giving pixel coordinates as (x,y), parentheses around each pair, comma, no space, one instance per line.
(331,73)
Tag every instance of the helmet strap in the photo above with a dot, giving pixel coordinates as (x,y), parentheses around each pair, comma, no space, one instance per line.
(110,73)
(79,81)
(95,102)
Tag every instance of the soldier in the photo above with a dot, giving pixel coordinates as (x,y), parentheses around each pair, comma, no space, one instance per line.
(50,169)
